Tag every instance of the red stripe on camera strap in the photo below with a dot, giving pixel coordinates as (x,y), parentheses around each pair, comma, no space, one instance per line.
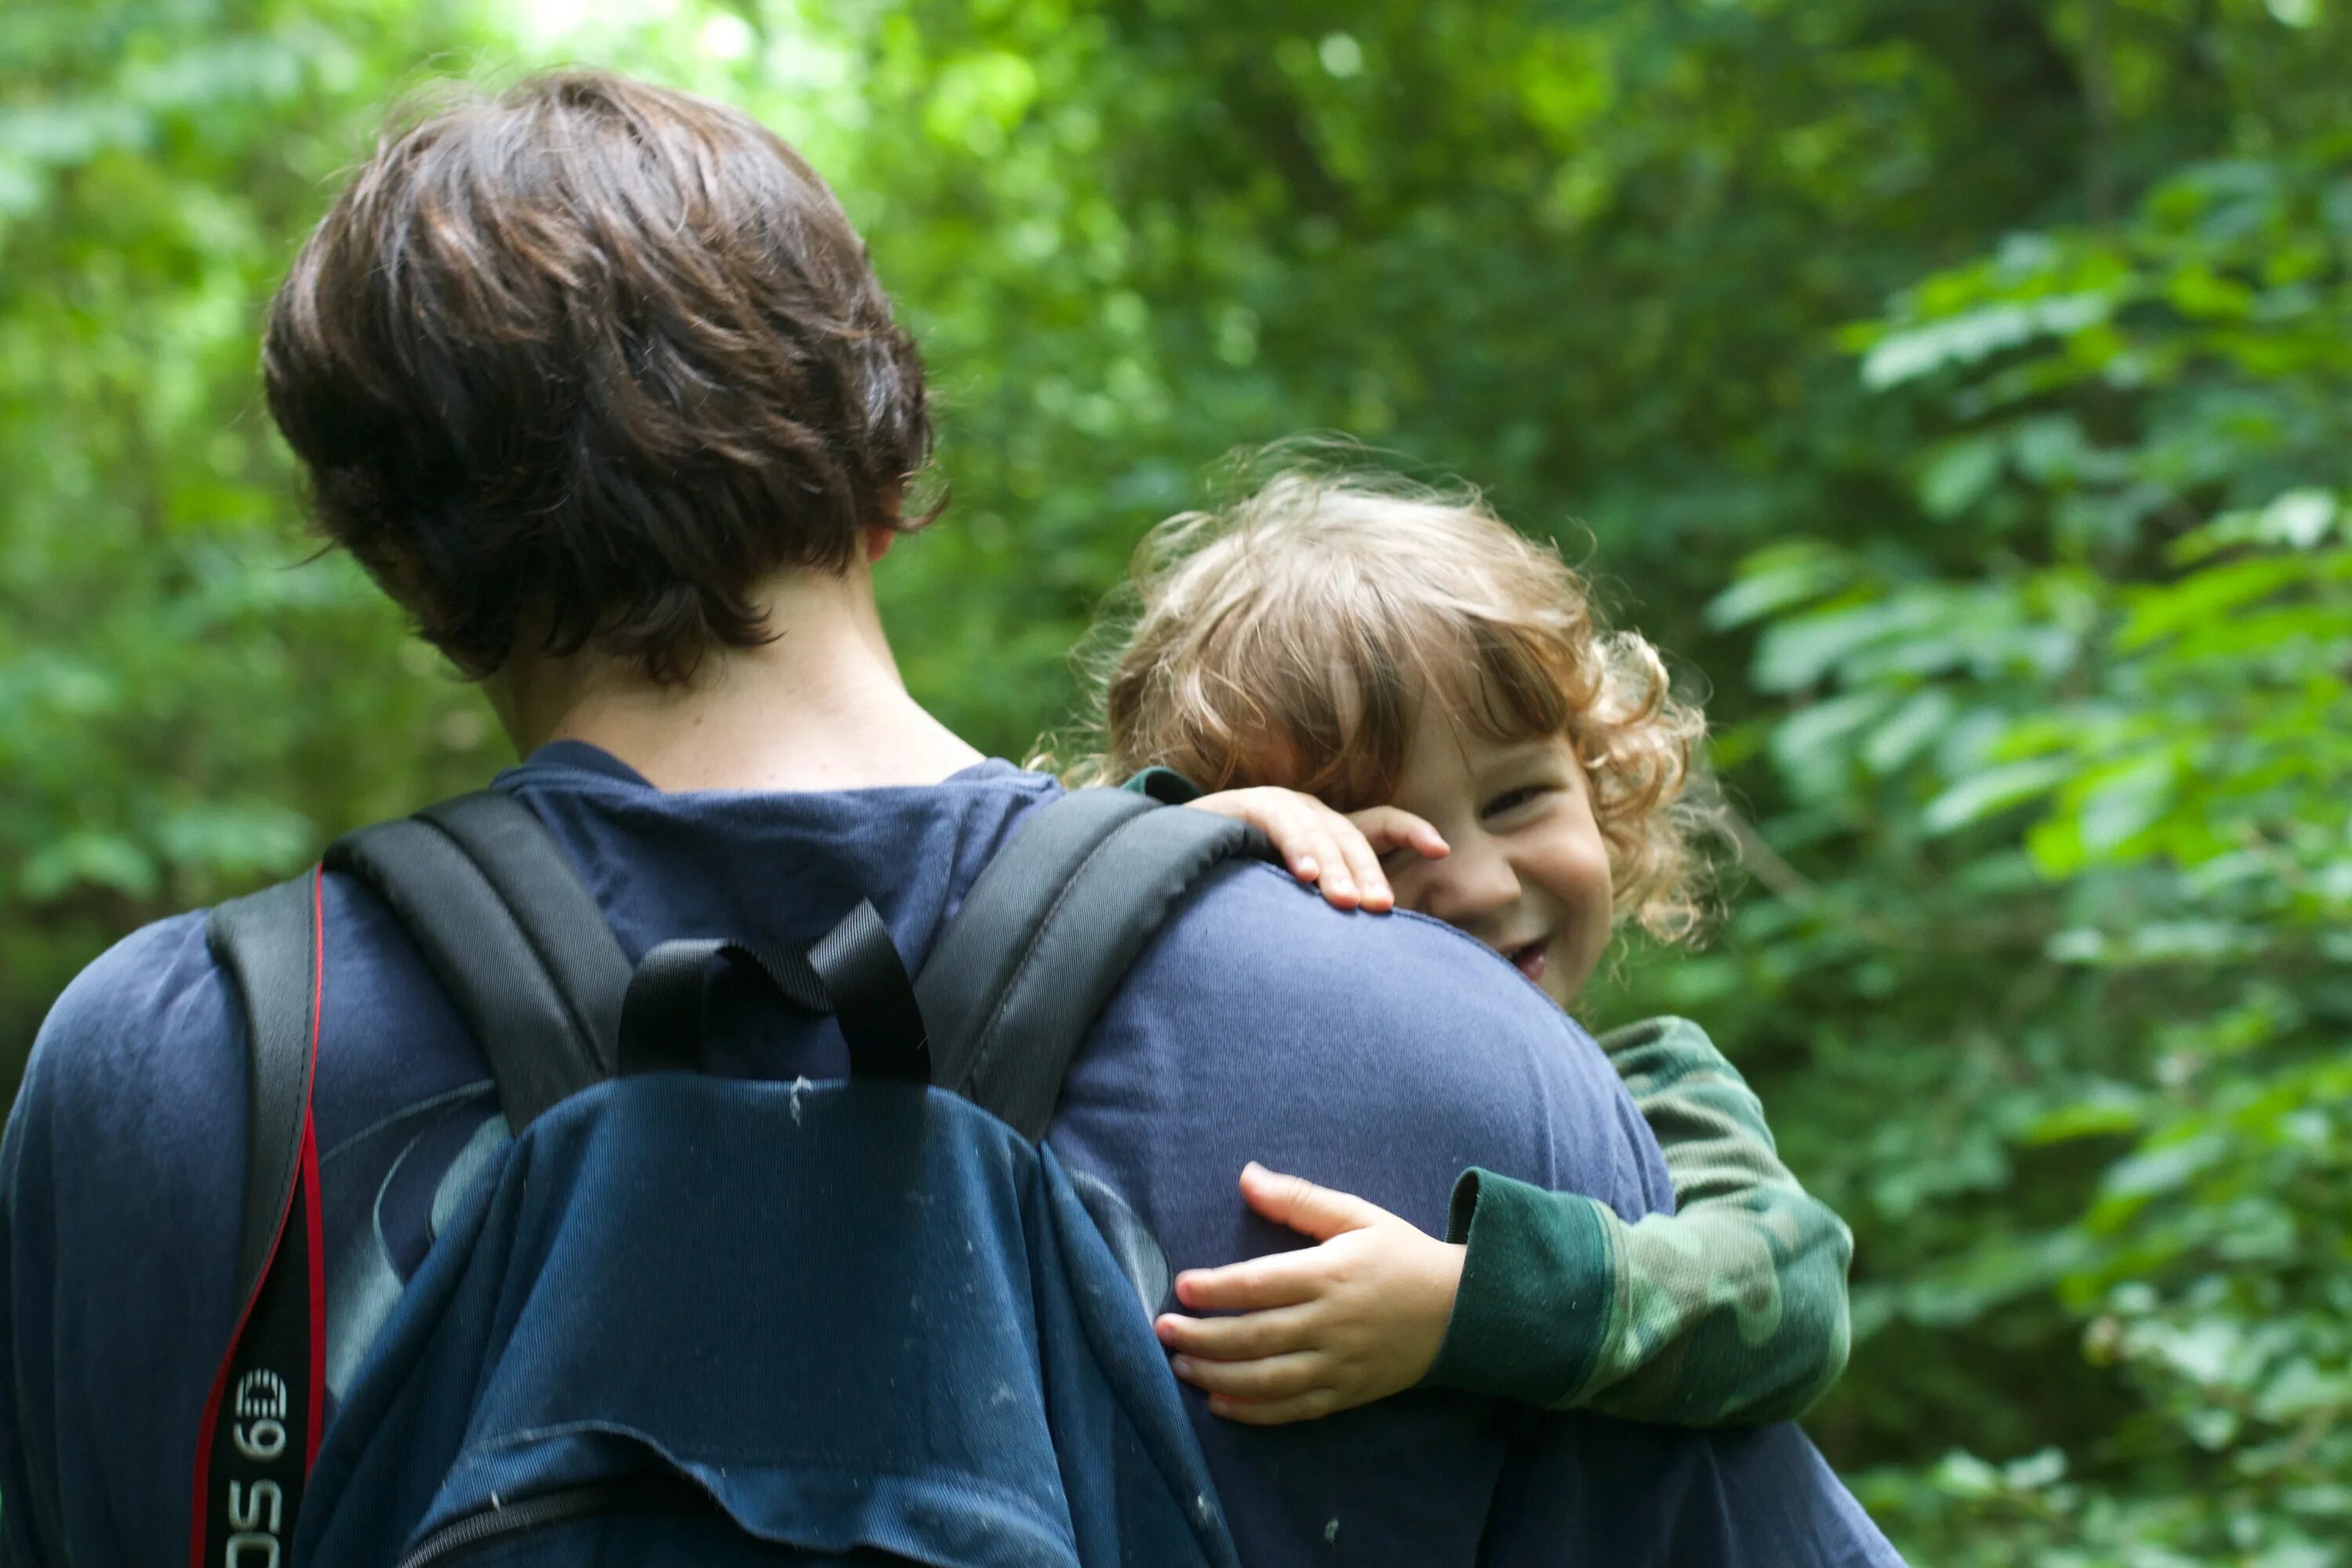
(266,1409)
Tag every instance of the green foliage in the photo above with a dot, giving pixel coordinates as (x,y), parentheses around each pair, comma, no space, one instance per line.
(1965,387)
(169,729)
(2110,753)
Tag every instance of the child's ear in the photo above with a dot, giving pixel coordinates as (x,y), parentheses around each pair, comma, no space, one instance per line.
(878,542)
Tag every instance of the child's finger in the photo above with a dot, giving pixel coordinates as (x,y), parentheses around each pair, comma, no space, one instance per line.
(1275,1377)
(1389,828)
(1308,1406)
(1279,1280)
(1302,831)
(1364,863)
(1318,843)
(1292,823)
(1295,1202)
(1293,832)
(1247,1336)
(1340,883)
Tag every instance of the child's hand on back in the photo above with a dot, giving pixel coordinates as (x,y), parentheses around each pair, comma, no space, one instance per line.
(1355,1318)
(1339,851)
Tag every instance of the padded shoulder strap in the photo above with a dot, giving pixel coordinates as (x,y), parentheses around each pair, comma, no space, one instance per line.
(268,943)
(1048,932)
(509,929)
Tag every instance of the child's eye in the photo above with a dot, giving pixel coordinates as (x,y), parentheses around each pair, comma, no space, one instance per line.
(1512,799)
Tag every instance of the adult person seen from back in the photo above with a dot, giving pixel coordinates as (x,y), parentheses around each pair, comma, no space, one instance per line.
(597,382)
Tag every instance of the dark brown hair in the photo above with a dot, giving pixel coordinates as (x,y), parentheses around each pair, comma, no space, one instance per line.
(586,362)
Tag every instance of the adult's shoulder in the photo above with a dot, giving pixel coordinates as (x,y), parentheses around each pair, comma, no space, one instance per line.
(132,1098)
(1254,929)
(147,1021)
(1398,1027)
(124,1154)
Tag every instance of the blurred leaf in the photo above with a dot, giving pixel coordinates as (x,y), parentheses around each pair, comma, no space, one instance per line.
(1958,476)
(92,859)
(1994,790)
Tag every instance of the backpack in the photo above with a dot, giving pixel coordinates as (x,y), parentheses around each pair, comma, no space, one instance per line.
(682,1318)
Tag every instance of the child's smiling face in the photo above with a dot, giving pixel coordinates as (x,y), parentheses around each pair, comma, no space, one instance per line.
(1527,871)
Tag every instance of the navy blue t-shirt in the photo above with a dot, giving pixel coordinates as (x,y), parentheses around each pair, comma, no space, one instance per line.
(1378,1054)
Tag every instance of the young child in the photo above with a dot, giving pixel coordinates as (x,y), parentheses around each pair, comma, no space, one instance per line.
(1419,706)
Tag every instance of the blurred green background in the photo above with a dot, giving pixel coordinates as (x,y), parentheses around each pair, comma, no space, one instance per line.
(1960,389)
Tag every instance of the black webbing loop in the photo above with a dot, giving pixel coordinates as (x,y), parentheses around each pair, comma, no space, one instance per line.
(853,972)
(872,998)
(661,1014)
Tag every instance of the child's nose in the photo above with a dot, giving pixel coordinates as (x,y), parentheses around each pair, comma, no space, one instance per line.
(1471,884)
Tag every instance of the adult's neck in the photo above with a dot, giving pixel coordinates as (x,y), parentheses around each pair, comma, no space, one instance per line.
(821,706)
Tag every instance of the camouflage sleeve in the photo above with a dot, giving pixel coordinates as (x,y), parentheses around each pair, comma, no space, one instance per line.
(1732,1310)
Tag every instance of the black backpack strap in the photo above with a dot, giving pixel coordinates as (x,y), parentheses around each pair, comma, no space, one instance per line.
(519,944)
(267,1404)
(851,973)
(1048,932)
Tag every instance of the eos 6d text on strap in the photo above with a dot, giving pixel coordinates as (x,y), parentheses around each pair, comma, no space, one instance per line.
(262,1422)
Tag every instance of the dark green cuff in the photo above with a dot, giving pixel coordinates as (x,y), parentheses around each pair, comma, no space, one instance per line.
(1532,1312)
(1165,785)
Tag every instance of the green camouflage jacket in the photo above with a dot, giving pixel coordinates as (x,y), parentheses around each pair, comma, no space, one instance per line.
(1732,1309)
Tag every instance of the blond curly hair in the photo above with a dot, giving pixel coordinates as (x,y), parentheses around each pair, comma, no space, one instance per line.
(1290,638)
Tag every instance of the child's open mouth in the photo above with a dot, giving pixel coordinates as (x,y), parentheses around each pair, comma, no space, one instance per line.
(1528,959)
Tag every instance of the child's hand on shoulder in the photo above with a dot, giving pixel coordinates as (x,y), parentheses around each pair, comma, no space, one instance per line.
(1355,1318)
(1339,851)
